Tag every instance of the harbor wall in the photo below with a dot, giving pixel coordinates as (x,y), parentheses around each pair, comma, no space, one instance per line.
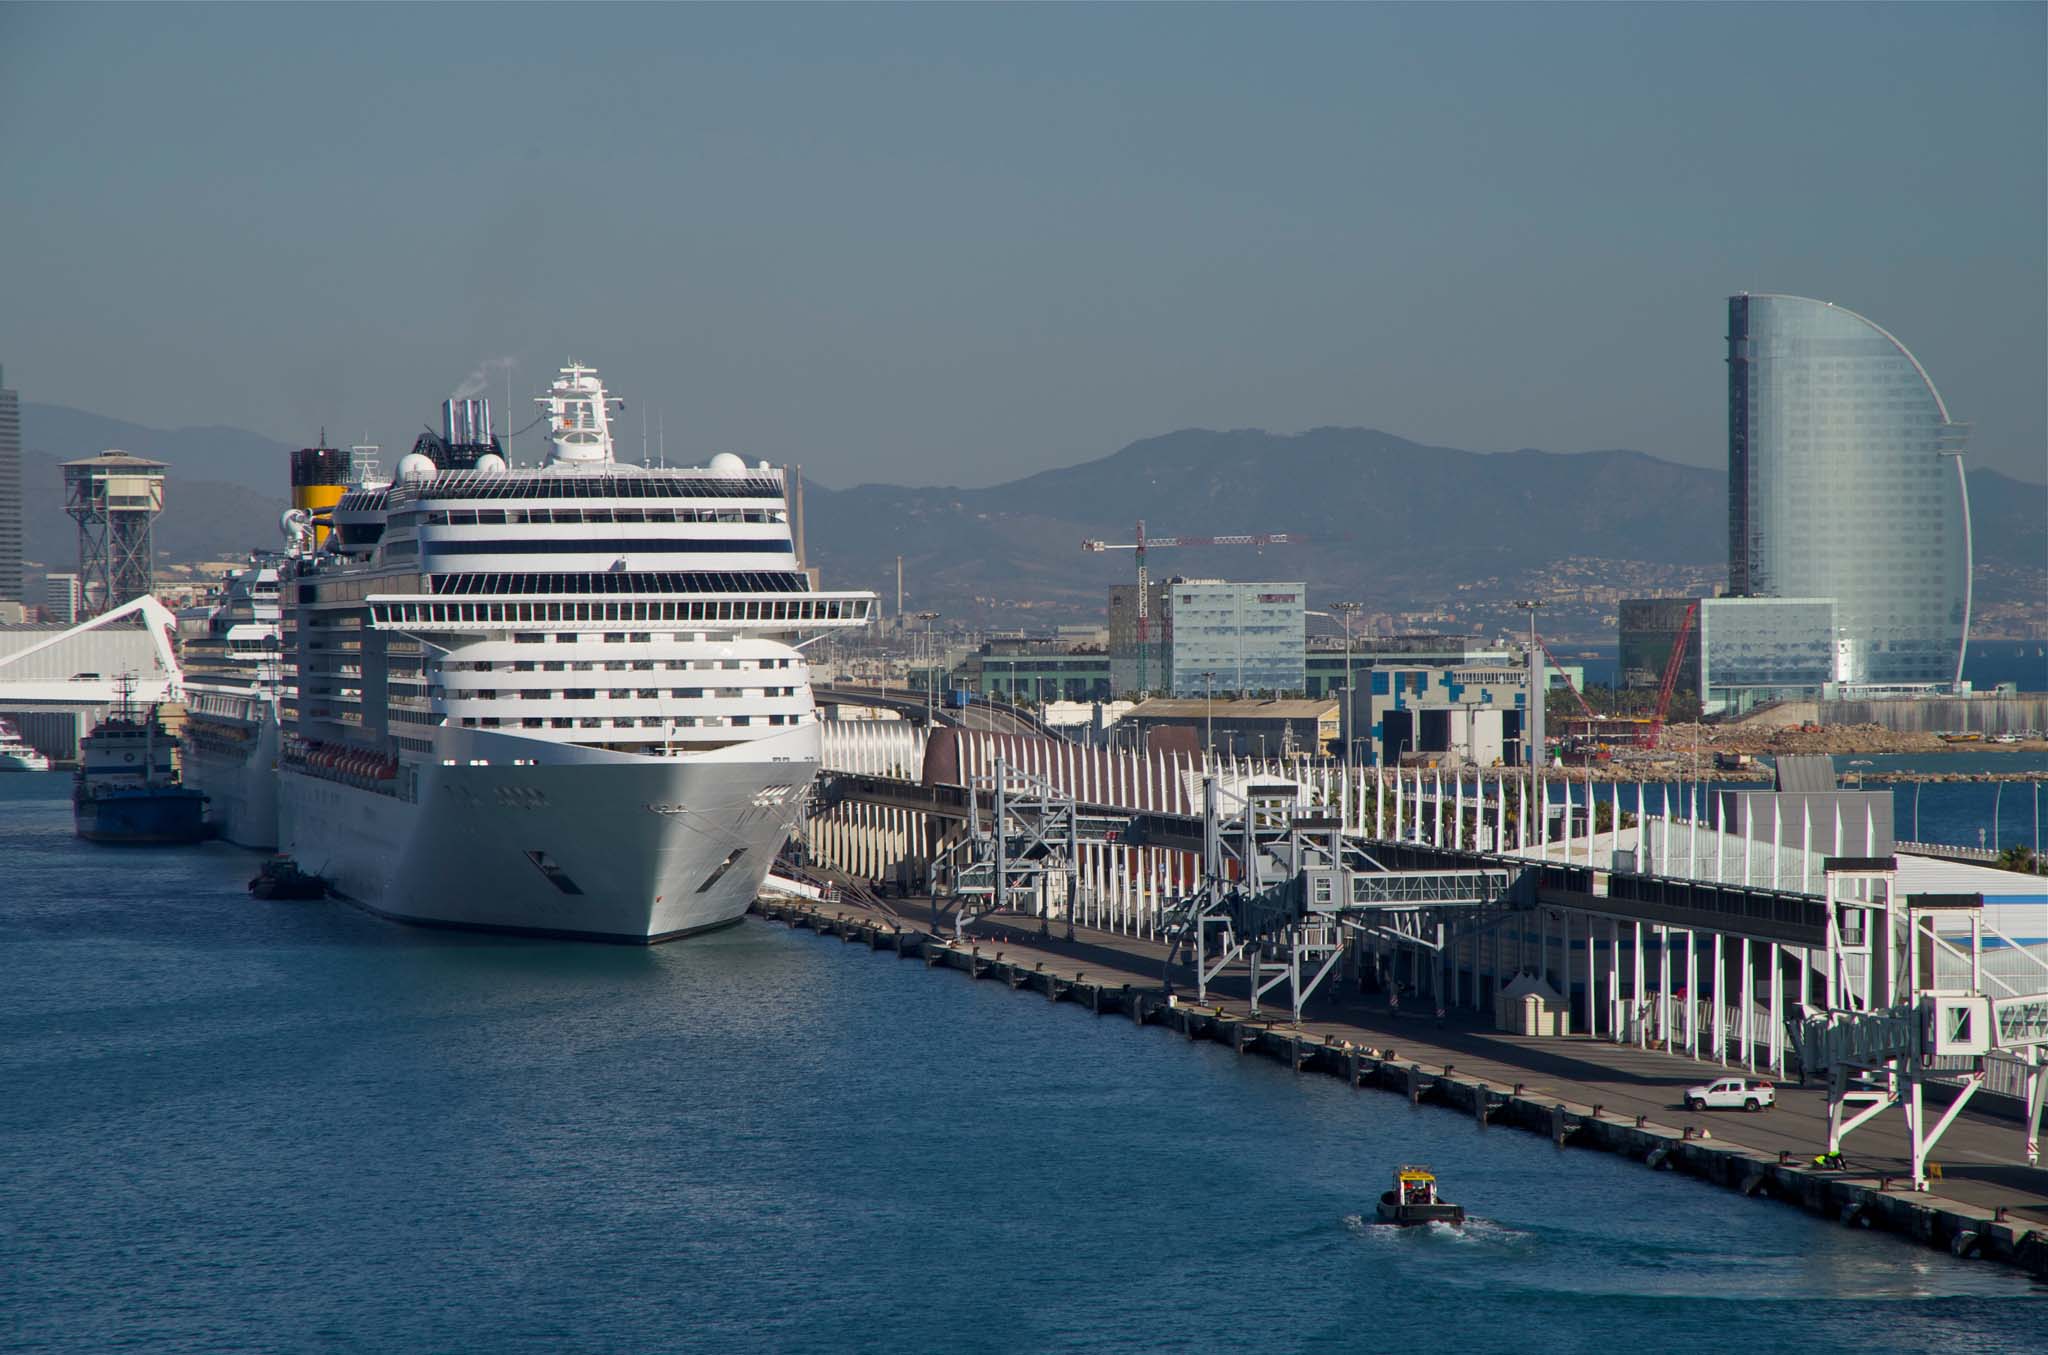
(1885,1204)
(1981,714)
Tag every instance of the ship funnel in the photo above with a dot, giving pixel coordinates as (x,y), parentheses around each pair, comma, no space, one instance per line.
(466,422)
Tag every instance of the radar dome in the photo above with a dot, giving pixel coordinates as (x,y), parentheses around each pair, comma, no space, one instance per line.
(416,466)
(490,463)
(725,463)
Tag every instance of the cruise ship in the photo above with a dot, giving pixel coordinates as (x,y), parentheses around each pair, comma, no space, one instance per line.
(568,700)
(233,670)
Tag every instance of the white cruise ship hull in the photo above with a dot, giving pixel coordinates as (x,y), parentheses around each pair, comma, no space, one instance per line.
(522,835)
(234,761)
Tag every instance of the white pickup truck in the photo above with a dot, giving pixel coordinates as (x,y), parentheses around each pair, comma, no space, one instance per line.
(1731,1093)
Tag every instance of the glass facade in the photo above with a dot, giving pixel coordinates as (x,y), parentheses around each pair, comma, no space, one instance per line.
(1754,650)
(1845,481)
(1248,635)
(1649,631)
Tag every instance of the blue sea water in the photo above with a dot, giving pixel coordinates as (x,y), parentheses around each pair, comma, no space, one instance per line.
(229,1125)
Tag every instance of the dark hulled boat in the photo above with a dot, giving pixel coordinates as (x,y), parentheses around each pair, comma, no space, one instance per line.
(127,789)
(1414,1200)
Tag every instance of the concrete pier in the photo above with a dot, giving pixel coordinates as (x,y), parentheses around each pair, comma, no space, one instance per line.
(1581,1092)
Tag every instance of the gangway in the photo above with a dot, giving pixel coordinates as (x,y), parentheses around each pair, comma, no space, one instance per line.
(1284,892)
(1024,853)
(1888,1029)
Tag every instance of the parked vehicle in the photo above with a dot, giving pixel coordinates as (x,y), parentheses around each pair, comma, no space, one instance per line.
(1731,1093)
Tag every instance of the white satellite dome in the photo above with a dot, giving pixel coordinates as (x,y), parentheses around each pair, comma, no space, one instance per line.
(490,463)
(416,466)
(725,463)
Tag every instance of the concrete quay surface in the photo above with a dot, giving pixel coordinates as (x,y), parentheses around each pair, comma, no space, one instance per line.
(1580,1091)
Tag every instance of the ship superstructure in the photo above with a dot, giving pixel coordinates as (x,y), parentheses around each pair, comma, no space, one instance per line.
(233,666)
(127,788)
(566,699)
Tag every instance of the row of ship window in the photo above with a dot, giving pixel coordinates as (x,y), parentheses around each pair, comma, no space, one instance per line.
(618,666)
(796,610)
(615,693)
(641,722)
(472,485)
(472,582)
(494,517)
(623,637)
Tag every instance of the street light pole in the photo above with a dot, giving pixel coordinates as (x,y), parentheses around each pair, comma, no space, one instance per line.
(1347,610)
(930,664)
(1209,737)
(1532,721)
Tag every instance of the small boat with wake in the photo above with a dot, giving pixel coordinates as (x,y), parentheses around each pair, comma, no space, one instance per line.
(1414,1200)
(281,879)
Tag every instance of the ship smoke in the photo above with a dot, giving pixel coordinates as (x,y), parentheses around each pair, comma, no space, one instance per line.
(481,378)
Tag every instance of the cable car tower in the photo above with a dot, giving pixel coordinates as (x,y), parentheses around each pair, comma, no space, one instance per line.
(114,497)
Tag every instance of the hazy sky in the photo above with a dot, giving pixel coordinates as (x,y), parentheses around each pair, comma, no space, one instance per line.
(956,244)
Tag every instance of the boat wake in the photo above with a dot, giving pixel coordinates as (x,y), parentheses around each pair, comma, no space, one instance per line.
(1473,1232)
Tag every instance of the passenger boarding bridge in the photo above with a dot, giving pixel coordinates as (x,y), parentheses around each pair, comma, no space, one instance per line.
(1649,922)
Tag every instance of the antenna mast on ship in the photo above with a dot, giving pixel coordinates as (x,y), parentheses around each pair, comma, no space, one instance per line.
(578,412)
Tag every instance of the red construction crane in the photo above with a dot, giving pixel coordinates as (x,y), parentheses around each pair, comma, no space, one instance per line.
(1584,709)
(1656,729)
(1143,543)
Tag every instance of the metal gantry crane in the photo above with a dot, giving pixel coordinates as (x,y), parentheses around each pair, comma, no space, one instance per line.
(1142,544)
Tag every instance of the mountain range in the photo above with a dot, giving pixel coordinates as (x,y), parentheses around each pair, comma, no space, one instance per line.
(1384,519)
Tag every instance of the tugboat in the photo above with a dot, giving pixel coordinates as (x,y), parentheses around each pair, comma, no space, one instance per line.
(126,789)
(280,878)
(1414,1200)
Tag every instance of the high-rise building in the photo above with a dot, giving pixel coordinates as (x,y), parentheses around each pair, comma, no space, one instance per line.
(63,598)
(1845,481)
(10,494)
(1235,637)
(1123,636)
(1650,628)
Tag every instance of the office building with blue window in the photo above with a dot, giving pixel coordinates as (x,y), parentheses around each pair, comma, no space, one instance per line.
(1245,638)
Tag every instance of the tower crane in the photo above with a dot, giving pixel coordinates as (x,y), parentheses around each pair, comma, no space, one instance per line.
(1143,544)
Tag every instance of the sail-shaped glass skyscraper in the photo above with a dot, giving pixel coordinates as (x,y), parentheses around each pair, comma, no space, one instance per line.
(1845,481)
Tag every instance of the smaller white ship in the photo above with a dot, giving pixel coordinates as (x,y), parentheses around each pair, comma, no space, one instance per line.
(232,688)
(15,753)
